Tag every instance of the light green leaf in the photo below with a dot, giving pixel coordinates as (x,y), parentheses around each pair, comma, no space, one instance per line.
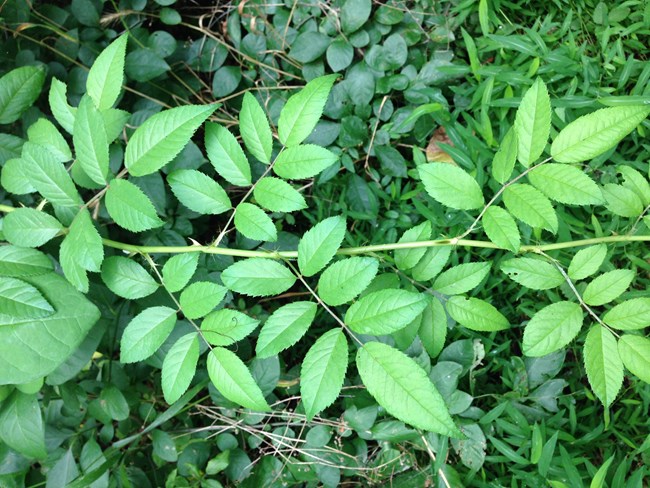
(607,287)
(254,129)
(593,134)
(162,136)
(277,195)
(253,223)
(58,100)
(461,278)
(501,228)
(179,367)
(49,176)
(566,184)
(130,208)
(114,122)
(319,245)
(303,161)
(530,206)
(635,181)
(622,201)
(344,280)
(552,328)
(198,192)
(633,314)
(82,250)
(385,311)
(323,371)
(284,328)
(302,111)
(234,381)
(603,364)
(635,354)
(33,348)
(407,258)
(72,270)
(14,179)
(587,261)
(28,227)
(21,261)
(226,155)
(504,160)
(198,299)
(451,186)
(90,141)
(476,314)
(225,327)
(126,278)
(46,134)
(106,75)
(19,89)
(258,277)
(433,327)
(402,387)
(533,123)
(146,333)
(432,263)
(21,425)
(20,300)
(532,273)
(598,481)
(178,270)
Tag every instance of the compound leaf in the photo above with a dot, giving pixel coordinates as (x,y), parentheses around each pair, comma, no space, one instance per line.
(255,130)
(451,186)
(284,328)
(21,261)
(344,280)
(20,300)
(461,278)
(28,227)
(635,354)
(19,89)
(225,327)
(178,270)
(179,366)
(198,299)
(587,261)
(608,286)
(407,258)
(253,223)
(91,142)
(126,278)
(432,263)
(46,134)
(501,228)
(532,273)
(633,314)
(198,192)
(58,100)
(130,208)
(566,184)
(146,333)
(303,161)
(226,155)
(384,311)
(533,123)
(476,314)
(552,328)
(622,201)
(277,195)
(530,206)
(603,364)
(258,277)
(504,160)
(319,245)
(106,75)
(21,425)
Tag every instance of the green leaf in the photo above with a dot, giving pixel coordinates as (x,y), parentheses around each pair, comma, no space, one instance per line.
(635,354)
(476,314)
(461,278)
(593,134)
(81,250)
(339,54)
(162,136)
(114,122)
(234,381)
(432,263)
(354,13)
(58,100)
(407,258)
(46,134)
(33,348)
(28,227)
(225,327)
(319,245)
(255,130)
(598,480)
(198,299)
(344,280)
(303,161)
(603,364)
(302,111)
(258,277)
(19,89)
(198,192)
(309,46)
(49,176)
(21,300)
(501,228)
(566,184)
(106,75)
(126,278)
(622,201)
(277,195)
(323,371)
(91,142)
(385,311)
(284,328)
(552,328)
(533,123)
(433,327)
(20,261)
(532,273)
(146,333)
(607,287)
(253,223)
(451,186)
(21,425)
(402,387)
(226,155)
(530,206)
(504,160)
(130,208)
(632,314)
(178,270)
(179,367)
(14,179)
(635,181)
(587,261)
